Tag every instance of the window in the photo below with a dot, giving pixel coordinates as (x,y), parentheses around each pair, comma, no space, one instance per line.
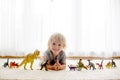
(91,27)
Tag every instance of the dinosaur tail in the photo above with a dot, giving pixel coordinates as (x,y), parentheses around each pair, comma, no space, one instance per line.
(85,67)
(20,64)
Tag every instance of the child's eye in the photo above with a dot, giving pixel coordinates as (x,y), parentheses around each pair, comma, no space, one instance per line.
(53,43)
(59,44)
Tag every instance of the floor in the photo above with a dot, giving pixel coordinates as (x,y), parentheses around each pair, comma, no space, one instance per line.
(36,74)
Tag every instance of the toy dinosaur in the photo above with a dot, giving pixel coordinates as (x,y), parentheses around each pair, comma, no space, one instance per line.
(13,64)
(72,67)
(45,65)
(91,65)
(108,65)
(113,63)
(81,65)
(6,63)
(29,59)
(100,65)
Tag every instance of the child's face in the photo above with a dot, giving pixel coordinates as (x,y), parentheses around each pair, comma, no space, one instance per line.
(56,46)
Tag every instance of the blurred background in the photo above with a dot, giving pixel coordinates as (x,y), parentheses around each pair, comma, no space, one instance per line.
(91,27)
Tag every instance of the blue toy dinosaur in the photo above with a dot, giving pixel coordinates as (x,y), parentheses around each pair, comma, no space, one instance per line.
(6,63)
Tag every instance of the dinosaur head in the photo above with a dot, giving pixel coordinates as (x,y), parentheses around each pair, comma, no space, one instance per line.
(36,53)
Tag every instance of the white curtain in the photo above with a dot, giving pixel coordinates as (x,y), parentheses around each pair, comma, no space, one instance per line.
(91,27)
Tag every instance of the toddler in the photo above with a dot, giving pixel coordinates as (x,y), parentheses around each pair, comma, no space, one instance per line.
(55,53)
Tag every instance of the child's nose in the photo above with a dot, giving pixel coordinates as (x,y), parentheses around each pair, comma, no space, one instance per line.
(57,46)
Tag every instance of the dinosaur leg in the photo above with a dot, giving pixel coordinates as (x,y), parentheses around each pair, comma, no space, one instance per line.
(25,66)
(31,65)
(41,67)
(94,67)
(46,68)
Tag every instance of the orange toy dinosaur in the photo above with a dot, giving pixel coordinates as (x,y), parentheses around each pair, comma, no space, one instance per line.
(13,64)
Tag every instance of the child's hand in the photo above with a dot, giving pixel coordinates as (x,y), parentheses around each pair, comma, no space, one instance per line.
(59,67)
(57,63)
(55,67)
